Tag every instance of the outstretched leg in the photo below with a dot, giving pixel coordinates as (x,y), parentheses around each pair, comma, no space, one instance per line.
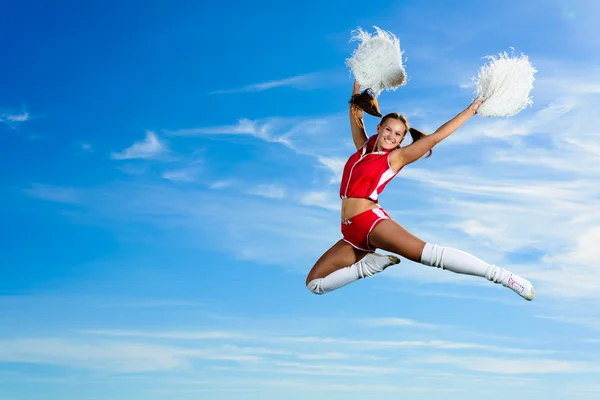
(343,264)
(390,236)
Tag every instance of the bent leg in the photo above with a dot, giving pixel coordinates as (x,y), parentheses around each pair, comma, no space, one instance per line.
(343,264)
(390,236)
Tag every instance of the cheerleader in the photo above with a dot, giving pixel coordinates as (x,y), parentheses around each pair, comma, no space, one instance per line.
(366,226)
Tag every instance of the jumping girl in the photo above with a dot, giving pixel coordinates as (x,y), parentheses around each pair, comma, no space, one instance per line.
(367,227)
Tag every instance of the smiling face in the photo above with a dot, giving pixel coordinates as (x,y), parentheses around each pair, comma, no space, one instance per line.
(391,133)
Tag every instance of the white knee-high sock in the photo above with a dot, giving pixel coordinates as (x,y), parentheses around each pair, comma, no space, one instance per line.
(461,262)
(370,265)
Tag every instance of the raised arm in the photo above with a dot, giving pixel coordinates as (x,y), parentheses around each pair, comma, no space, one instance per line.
(411,153)
(359,135)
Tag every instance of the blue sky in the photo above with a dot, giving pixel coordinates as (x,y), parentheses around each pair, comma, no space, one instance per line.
(170,175)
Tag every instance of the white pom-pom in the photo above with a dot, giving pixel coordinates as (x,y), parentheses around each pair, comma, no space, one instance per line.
(505,85)
(377,62)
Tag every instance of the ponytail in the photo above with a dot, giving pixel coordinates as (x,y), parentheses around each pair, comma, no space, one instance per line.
(416,135)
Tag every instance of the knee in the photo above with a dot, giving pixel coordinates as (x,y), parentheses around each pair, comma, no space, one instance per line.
(432,255)
(315,286)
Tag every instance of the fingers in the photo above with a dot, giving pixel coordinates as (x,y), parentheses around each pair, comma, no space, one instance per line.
(474,106)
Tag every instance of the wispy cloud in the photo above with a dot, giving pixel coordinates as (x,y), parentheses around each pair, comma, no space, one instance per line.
(300,355)
(513,366)
(327,200)
(86,147)
(588,321)
(549,118)
(13,119)
(406,344)
(305,136)
(394,321)
(220,184)
(452,295)
(335,165)
(243,127)
(271,191)
(155,303)
(477,229)
(591,340)
(181,175)
(150,148)
(512,214)
(173,210)
(261,129)
(122,357)
(55,194)
(219,335)
(306,81)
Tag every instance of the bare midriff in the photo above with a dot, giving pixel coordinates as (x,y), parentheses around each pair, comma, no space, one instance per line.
(355,206)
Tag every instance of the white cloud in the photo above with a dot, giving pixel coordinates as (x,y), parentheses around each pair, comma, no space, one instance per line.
(263,348)
(180,175)
(130,209)
(13,119)
(335,165)
(587,321)
(333,369)
(585,253)
(305,136)
(513,366)
(220,184)
(155,303)
(438,293)
(537,193)
(394,321)
(306,81)
(547,119)
(122,357)
(150,148)
(24,116)
(56,194)
(389,345)
(510,190)
(327,200)
(271,191)
(557,217)
(477,229)
(260,129)
(323,356)
(243,127)
(185,335)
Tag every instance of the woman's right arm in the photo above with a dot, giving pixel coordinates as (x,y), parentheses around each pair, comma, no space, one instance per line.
(359,135)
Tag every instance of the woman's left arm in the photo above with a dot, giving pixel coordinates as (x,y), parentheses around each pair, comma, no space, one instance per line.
(411,153)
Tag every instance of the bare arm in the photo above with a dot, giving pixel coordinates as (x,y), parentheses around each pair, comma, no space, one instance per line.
(418,149)
(359,135)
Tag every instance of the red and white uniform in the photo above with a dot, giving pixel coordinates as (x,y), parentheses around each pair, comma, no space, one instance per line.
(365,175)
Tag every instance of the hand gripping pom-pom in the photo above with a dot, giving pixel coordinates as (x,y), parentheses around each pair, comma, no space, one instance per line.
(377,62)
(504,85)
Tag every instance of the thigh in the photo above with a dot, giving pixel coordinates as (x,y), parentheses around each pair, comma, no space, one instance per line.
(340,255)
(390,236)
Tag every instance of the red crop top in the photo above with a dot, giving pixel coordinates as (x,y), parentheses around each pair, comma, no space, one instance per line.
(366,173)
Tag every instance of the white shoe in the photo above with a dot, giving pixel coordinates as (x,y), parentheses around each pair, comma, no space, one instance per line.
(521,286)
(374,263)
